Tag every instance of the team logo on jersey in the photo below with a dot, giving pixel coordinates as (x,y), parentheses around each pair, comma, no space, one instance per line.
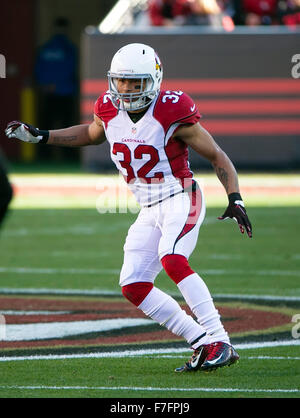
(133,130)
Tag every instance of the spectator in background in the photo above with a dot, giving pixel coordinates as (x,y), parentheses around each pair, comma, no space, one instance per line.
(210,13)
(289,12)
(168,12)
(256,12)
(189,12)
(6,191)
(56,71)
(237,11)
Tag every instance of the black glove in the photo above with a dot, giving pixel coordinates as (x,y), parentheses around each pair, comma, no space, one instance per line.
(236,210)
(26,132)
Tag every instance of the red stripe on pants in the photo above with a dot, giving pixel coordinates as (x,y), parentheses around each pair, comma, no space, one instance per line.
(194,213)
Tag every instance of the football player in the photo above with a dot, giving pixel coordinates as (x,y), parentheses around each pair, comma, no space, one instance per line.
(149,131)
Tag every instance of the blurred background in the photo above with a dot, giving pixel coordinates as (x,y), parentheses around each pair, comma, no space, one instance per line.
(237,59)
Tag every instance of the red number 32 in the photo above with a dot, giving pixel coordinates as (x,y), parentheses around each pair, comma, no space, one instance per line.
(138,153)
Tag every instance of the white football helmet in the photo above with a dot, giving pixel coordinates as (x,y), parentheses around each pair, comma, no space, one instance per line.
(135,61)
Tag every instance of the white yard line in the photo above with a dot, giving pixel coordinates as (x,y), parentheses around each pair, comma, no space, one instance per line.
(212,272)
(20,312)
(272,358)
(244,357)
(136,353)
(151,389)
(48,270)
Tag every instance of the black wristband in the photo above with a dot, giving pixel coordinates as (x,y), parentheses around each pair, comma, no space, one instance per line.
(232,197)
(45,135)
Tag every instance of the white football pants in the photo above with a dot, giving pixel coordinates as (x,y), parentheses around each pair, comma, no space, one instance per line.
(169,227)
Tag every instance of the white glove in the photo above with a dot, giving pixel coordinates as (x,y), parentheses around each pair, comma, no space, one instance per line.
(26,132)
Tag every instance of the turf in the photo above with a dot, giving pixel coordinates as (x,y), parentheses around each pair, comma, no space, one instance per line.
(261,372)
(62,244)
(82,249)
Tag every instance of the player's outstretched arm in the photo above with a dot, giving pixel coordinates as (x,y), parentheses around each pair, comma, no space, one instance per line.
(203,143)
(74,136)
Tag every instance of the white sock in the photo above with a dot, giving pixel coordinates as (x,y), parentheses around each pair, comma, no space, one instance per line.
(198,297)
(163,309)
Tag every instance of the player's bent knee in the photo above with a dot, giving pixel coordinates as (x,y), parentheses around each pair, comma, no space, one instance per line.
(136,292)
(176,266)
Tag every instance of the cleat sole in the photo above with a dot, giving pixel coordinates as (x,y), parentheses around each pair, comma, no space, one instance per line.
(206,370)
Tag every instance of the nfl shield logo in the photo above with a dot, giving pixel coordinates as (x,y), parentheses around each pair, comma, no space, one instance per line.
(133,131)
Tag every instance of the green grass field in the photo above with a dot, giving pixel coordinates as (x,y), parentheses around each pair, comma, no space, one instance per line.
(61,242)
(260,373)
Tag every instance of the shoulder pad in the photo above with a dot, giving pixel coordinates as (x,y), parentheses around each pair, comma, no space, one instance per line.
(175,107)
(104,108)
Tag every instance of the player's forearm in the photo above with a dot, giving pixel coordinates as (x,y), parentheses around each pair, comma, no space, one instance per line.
(75,136)
(226,172)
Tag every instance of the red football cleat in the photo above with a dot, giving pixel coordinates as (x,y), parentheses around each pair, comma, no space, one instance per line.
(219,354)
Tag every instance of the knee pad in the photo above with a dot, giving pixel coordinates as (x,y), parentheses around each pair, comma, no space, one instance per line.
(176,266)
(136,292)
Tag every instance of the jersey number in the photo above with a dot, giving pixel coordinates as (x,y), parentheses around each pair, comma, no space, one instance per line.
(138,153)
(174,96)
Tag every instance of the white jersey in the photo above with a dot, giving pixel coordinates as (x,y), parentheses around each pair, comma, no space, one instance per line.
(154,163)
